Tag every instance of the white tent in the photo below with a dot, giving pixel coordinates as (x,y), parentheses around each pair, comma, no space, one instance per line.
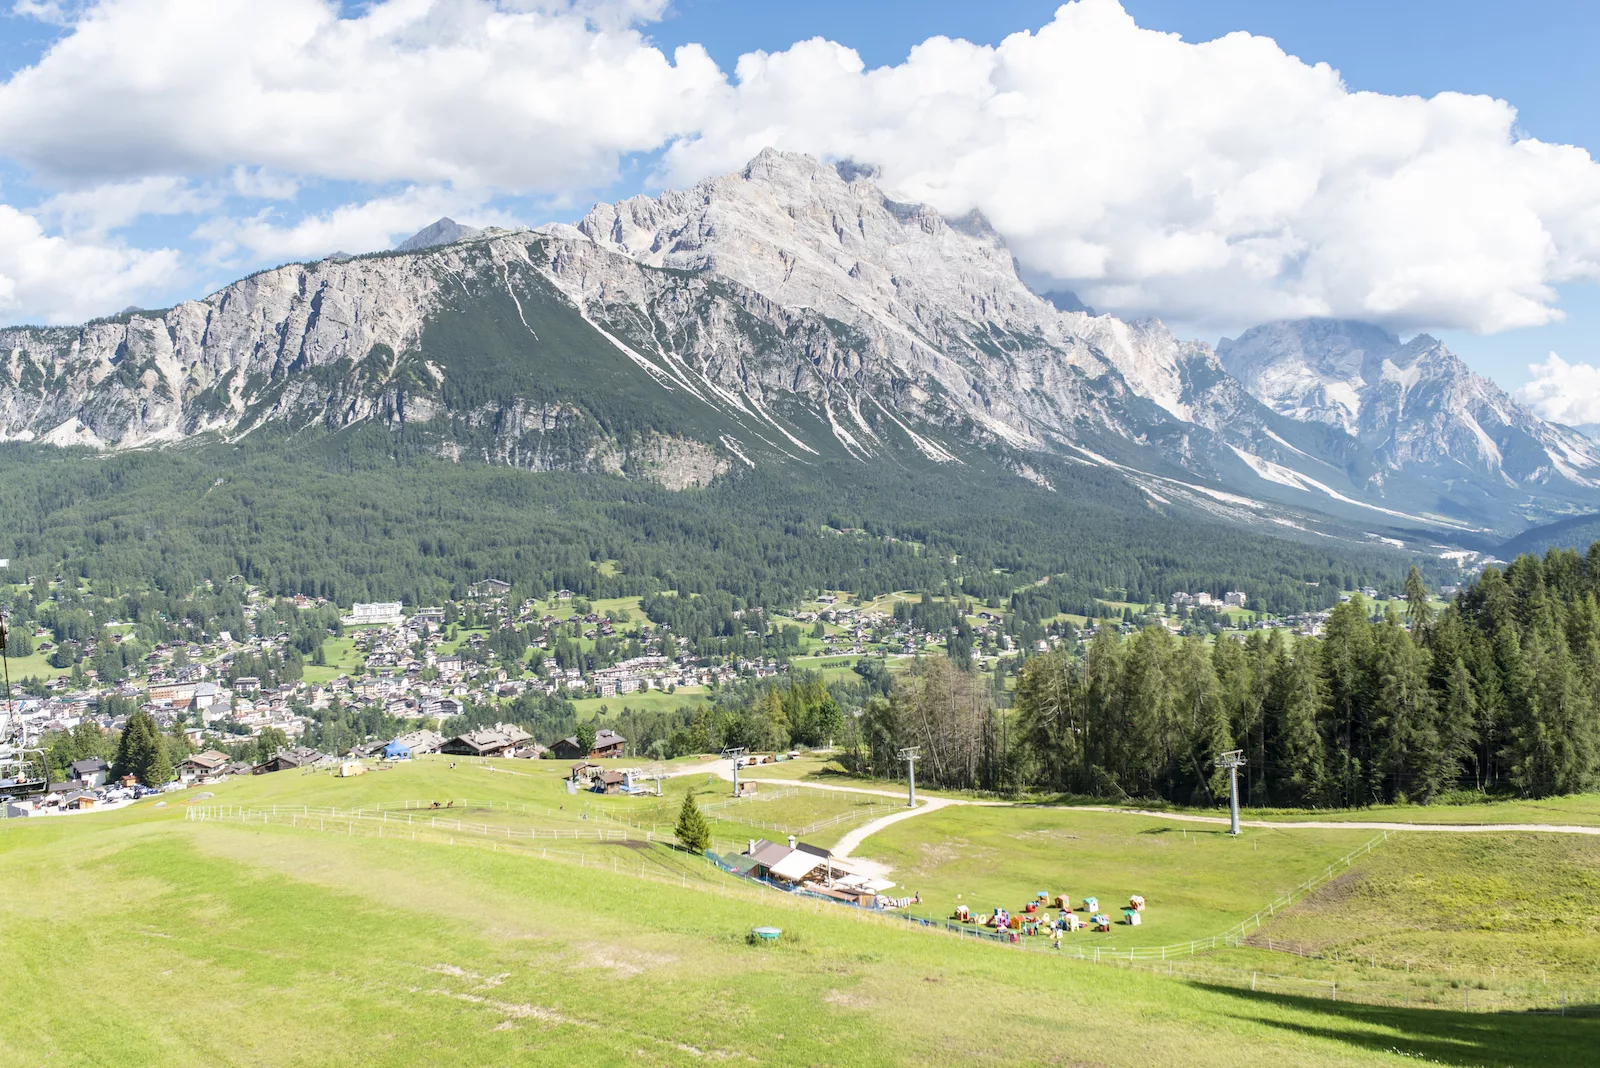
(797,865)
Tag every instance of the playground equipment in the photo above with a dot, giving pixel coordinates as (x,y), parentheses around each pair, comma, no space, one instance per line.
(1131,917)
(1091,905)
(1100,922)
(1136,902)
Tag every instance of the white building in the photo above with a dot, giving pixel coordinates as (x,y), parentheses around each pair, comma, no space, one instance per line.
(379,612)
(1235,599)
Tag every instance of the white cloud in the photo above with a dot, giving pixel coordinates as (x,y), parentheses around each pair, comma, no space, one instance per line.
(1563,392)
(1220,182)
(54,12)
(258,183)
(540,96)
(1217,184)
(58,280)
(359,227)
(96,209)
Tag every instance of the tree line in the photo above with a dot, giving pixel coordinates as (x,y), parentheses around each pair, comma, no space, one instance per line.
(1498,694)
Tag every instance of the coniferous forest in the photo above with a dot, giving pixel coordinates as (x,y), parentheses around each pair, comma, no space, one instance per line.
(367,515)
(1497,694)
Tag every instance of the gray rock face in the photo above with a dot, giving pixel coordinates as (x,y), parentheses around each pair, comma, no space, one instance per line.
(444,232)
(1413,405)
(789,311)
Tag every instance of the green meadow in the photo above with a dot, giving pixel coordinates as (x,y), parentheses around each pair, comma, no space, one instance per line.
(150,936)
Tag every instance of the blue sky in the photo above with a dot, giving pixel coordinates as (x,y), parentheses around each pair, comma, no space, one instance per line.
(223,203)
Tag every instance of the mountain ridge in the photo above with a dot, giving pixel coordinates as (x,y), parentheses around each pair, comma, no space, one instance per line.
(784,313)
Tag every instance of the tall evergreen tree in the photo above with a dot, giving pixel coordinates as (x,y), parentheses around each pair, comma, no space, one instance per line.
(1419,612)
(1407,761)
(1300,701)
(693,832)
(158,772)
(1458,720)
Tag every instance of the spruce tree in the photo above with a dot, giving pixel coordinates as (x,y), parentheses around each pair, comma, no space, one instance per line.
(693,832)
(1458,718)
(159,770)
(1301,701)
(1419,613)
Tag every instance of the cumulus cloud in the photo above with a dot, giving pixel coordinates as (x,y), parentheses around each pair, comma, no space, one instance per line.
(1213,182)
(1563,392)
(54,279)
(55,12)
(95,210)
(359,227)
(1218,183)
(530,96)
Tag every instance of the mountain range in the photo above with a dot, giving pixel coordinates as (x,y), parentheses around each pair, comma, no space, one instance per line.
(795,313)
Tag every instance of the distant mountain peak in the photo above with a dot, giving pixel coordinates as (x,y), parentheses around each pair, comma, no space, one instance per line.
(444,232)
(1415,403)
(1066,300)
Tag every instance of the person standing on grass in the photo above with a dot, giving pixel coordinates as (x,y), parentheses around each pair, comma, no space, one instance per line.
(1055,938)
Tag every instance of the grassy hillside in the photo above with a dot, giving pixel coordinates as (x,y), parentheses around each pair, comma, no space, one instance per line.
(142,937)
(1475,911)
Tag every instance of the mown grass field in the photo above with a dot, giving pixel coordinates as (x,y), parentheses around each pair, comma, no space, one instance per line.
(141,937)
(524,794)
(342,659)
(643,701)
(1197,881)
(1486,912)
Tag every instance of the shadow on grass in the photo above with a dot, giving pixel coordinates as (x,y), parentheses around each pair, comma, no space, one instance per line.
(1441,1036)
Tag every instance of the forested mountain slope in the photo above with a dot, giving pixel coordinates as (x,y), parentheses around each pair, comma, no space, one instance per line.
(368,514)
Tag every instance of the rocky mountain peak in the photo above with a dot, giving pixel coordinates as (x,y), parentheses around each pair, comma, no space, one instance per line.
(829,238)
(1415,402)
(445,231)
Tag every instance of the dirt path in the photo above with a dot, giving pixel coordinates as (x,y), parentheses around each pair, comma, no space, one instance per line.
(853,840)
(1350,825)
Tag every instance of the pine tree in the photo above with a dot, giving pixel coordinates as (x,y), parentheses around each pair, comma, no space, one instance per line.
(1300,702)
(136,747)
(158,772)
(1419,613)
(1403,721)
(693,832)
(1458,718)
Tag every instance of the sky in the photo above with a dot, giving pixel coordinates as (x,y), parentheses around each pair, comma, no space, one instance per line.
(1424,165)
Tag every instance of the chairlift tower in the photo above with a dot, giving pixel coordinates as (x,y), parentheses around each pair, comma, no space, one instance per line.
(734,754)
(911,755)
(1233,760)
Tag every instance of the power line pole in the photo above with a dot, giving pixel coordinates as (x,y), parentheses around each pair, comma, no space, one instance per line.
(1233,760)
(911,755)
